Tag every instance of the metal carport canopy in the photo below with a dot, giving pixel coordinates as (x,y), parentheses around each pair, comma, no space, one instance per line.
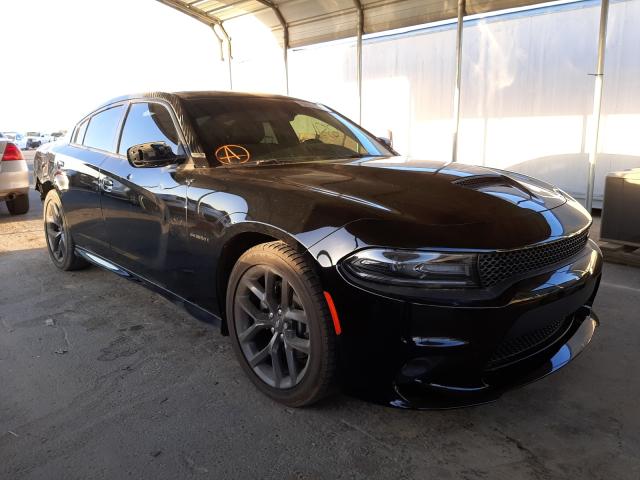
(314,21)
(306,22)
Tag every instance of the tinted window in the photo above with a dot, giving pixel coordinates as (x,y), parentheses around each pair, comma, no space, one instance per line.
(312,129)
(101,132)
(240,130)
(79,135)
(148,122)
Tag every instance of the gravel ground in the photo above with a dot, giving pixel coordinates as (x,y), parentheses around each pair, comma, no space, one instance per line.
(100,378)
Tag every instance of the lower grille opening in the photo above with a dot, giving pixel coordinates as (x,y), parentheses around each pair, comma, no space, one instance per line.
(516,348)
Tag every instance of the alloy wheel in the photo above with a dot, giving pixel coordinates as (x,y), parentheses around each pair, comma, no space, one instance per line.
(55,231)
(272,327)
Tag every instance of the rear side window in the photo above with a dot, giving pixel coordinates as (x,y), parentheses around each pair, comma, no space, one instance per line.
(79,135)
(148,122)
(101,132)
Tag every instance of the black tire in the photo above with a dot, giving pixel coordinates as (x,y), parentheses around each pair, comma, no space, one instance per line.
(317,378)
(19,205)
(59,242)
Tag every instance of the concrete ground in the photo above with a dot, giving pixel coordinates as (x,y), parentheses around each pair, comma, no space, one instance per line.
(100,378)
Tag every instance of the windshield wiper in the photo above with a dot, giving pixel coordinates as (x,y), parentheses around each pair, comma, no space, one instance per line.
(267,161)
(254,163)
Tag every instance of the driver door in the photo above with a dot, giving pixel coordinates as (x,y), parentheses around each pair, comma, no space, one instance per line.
(144,207)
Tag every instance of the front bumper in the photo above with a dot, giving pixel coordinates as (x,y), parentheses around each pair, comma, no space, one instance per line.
(421,355)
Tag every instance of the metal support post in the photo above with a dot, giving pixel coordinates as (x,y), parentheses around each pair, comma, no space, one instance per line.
(597,102)
(456,92)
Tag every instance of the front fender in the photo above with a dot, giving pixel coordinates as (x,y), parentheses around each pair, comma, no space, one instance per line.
(224,216)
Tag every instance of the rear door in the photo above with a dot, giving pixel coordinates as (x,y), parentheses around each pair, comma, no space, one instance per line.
(144,208)
(79,186)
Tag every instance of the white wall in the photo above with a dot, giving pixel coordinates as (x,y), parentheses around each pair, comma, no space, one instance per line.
(527,95)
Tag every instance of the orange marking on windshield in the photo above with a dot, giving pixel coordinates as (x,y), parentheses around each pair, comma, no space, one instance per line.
(232,154)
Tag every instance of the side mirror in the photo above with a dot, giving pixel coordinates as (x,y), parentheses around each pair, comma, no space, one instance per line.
(152,154)
(386,142)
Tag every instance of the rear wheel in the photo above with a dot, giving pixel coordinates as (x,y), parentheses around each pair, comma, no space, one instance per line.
(280,326)
(19,205)
(59,242)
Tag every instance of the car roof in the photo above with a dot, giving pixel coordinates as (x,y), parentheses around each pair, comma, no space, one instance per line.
(187,95)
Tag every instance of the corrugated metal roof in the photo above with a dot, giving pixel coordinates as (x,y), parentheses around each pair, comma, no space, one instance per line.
(314,21)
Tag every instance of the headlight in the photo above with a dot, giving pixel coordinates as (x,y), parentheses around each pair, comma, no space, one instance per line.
(419,269)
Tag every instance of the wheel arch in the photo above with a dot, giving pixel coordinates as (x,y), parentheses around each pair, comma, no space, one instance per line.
(44,188)
(240,238)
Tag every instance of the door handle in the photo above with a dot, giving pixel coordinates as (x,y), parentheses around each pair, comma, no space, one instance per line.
(107,184)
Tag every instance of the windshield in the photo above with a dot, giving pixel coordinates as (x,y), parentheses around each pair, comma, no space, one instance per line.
(247,130)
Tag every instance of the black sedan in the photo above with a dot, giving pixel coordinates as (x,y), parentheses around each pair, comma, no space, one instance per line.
(326,257)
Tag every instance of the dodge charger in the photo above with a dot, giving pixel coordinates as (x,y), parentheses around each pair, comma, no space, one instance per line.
(328,259)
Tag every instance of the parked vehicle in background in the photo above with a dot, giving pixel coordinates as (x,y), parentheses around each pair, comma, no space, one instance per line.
(14,178)
(17,138)
(34,140)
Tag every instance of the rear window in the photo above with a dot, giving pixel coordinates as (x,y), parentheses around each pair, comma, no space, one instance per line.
(102,129)
(78,137)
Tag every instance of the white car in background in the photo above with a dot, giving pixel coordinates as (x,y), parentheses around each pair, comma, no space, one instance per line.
(19,139)
(14,178)
(34,140)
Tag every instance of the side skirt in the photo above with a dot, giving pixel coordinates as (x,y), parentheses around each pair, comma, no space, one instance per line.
(191,308)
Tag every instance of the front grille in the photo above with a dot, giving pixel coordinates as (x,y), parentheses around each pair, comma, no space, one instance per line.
(512,348)
(499,266)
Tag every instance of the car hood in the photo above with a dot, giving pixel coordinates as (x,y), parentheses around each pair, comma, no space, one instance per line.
(415,197)
(425,192)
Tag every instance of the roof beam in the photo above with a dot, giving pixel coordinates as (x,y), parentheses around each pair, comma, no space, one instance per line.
(226,7)
(192,11)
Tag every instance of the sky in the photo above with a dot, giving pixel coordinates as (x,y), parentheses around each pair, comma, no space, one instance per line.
(63,58)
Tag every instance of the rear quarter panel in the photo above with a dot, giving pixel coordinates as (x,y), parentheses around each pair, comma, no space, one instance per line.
(74,172)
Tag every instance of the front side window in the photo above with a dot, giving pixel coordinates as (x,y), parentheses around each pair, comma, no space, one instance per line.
(101,132)
(243,130)
(148,122)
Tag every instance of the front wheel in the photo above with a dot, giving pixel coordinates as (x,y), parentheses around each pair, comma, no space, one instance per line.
(280,325)
(59,242)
